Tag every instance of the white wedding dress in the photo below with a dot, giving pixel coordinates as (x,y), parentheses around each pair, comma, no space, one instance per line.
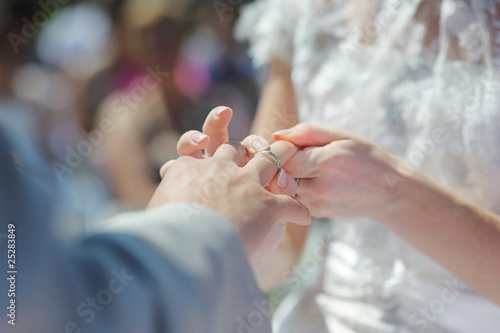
(421,79)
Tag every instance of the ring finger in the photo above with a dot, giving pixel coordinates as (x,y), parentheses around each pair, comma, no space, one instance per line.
(265,166)
(234,151)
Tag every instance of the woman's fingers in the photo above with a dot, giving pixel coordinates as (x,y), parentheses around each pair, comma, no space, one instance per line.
(307,135)
(215,127)
(192,144)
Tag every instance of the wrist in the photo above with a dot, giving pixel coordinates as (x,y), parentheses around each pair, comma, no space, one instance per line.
(406,186)
(416,197)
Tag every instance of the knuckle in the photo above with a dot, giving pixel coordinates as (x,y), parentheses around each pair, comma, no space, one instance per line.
(184,160)
(236,145)
(320,191)
(267,198)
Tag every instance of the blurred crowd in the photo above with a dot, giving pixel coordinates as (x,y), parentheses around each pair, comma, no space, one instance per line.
(100,91)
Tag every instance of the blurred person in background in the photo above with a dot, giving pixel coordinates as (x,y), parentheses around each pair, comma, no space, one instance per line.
(24,119)
(50,50)
(160,83)
(140,97)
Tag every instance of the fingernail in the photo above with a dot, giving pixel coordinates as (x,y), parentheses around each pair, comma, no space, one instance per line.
(284,132)
(198,137)
(259,145)
(282,179)
(218,110)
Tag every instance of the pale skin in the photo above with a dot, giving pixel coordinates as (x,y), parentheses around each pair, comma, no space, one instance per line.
(345,175)
(239,179)
(276,111)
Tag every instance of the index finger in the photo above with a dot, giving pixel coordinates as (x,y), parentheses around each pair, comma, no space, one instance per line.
(215,127)
(265,166)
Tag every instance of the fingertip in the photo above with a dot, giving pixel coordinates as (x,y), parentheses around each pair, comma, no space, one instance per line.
(258,144)
(192,143)
(283,183)
(282,179)
(223,112)
(200,139)
(282,133)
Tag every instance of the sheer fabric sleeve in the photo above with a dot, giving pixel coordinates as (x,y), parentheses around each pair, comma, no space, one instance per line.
(268,25)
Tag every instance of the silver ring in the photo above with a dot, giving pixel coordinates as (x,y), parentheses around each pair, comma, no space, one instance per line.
(297,181)
(273,155)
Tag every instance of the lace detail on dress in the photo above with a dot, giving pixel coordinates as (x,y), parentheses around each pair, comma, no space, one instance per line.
(422,79)
(269,26)
(469,33)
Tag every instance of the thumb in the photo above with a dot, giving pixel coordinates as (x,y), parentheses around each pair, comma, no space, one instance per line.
(307,135)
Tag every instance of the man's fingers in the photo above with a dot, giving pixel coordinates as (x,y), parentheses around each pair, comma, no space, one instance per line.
(165,167)
(307,135)
(265,166)
(291,210)
(192,144)
(234,151)
(215,127)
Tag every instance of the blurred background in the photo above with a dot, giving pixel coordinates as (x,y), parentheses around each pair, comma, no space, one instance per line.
(96,93)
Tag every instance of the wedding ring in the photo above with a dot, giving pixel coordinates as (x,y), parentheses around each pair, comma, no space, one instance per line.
(273,155)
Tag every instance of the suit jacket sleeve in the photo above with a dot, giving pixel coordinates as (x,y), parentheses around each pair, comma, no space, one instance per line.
(178,268)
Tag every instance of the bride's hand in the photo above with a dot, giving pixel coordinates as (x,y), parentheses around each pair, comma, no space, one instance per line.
(341,174)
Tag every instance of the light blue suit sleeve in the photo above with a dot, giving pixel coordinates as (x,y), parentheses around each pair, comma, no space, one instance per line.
(178,268)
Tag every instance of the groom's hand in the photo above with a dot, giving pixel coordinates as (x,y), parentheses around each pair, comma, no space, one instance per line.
(341,174)
(215,133)
(231,184)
